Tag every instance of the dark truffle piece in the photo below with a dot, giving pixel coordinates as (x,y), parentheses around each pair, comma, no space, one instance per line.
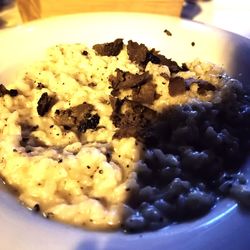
(140,54)
(90,122)
(152,58)
(45,103)
(71,117)
(145,94)
(78,118)
(130,117)
(176,86)
(168,32)
(4,91)
(184,67)
(156,58)
(137,52)
(13,92)
(109,49)
(204,87)
(116,103)
(126,80)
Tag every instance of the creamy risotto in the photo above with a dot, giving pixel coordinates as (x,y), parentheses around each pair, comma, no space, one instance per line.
(119,136)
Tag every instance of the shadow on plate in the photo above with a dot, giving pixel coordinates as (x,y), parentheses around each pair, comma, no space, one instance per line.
(88,244)
(239,65)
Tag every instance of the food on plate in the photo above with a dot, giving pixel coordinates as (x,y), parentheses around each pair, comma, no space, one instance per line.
(120,136)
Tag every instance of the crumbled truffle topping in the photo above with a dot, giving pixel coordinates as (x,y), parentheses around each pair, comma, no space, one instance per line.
(109,49)
(4,91)
(156,58)
(176,86)
(90,122)
(13,92)
(130,117)
(184,67)
(45,103)
(126,80)
(72,116)
(137,52)
(145,94)
(140,54)
(79,118)
(168,32)
(204,87)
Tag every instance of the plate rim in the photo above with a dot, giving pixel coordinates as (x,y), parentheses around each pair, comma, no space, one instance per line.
(36,23)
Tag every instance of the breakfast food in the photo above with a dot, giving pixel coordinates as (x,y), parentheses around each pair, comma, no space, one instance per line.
(119,136)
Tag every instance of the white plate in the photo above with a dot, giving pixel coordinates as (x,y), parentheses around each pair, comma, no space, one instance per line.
(226,227)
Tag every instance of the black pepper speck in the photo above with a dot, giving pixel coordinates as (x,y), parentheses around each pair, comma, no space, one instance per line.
(13,92)
(85,53)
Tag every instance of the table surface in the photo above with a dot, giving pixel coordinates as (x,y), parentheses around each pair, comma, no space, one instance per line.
(230,15)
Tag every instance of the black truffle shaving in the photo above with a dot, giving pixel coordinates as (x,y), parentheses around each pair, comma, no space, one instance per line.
(167,32)
(176,86)
(109,49)
(137,52)
(130,117)
(4,91)
(152,58)
(45,103)
(203,88)
(126,80)
(78,118)
(156,58)
(145,94)
(90,122)
(13,92)
(140,54)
